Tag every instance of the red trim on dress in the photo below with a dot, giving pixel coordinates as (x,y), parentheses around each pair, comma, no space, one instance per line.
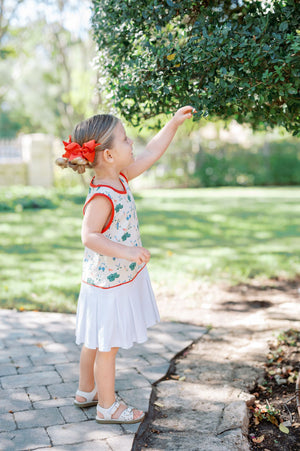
(107,186)
(123,175)
(124,283)
(112,206)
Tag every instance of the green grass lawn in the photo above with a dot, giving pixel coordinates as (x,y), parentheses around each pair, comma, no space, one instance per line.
(217,234)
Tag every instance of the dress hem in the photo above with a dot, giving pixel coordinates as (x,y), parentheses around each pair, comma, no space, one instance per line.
(140,341)
(114,286)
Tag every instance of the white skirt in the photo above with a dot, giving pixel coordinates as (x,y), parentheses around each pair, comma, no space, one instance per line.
(116,317)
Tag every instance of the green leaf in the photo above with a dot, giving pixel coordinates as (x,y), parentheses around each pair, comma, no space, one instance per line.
(283,26)
(284,429)
(292,91)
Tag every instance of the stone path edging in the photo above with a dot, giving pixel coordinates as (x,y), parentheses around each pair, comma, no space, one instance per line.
(198,416)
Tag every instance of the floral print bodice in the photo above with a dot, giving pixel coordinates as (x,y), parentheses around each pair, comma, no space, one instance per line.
(108,272)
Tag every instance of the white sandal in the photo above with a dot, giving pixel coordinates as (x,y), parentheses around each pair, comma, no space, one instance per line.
(125,417)
(89,396)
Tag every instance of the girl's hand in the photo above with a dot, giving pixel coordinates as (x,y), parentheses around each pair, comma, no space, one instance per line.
(138,254)
(186,112)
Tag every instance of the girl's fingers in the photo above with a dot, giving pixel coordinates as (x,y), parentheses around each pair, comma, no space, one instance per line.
(146,257)
(186,112)
(143,257)
(188,109)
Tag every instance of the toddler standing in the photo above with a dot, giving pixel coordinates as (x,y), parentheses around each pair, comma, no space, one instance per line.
(116,303)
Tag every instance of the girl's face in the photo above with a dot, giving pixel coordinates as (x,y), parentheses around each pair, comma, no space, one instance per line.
(122,147)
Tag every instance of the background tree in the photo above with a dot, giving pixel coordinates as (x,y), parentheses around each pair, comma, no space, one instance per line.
(230,59)
(47,79)
(8,10)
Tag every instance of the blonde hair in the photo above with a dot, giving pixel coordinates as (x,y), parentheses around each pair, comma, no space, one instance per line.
(100,128)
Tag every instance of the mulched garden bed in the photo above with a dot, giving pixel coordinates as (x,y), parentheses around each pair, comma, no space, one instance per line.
(275,422)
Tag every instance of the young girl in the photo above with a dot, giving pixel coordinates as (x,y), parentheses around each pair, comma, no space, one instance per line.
(116,304)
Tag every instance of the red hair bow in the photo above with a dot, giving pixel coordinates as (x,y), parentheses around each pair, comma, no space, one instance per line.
(74,150)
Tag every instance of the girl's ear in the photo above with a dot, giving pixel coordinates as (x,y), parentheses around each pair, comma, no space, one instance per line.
(107,155)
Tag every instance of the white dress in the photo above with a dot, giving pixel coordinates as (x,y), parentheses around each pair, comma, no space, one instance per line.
(116,303)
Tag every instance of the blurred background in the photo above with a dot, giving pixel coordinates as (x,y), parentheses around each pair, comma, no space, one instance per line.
(50,82)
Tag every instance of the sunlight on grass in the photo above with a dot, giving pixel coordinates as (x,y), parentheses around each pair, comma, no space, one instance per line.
(219,234)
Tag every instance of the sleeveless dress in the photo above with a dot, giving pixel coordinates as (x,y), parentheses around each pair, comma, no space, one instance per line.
(116,303)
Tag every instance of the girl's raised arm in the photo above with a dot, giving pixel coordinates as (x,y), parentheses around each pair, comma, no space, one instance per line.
(159,144)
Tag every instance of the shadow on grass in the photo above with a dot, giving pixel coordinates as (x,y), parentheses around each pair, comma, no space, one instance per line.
(190,233)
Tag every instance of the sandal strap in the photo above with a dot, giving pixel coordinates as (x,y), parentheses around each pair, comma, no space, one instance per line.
(108,413)
(127,414)
(89,396)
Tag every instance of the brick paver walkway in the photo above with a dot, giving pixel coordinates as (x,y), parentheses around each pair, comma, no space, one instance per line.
(39,374)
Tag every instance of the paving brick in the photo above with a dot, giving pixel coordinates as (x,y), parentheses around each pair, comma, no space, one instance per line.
(38,340)
(55,348)
(49,359)
(68,434)
(20,351)
(14,399)
(7,422)
(176,342)
(169,355)
(26,380)
(90,412)
(37,393)
(66,347)
(5,443)
(73,414)
(131,428)
(95,445)
(151,346)
(158,335)
(72,356)
(123,442)
(8,369)
(11,336)
(137,361)
(193,333)
(168,327)
(35,369)
(58,402)
(63,390)
(22,361)
(25,439)
(138,398)
(130,379)
(37,418)
(5,359)
(68,371)
(65,336)
(155,372)
(156,359)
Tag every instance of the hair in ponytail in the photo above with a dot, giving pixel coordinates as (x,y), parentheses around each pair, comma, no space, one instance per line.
(98,128)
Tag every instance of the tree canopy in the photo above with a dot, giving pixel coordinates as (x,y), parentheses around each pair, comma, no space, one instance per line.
(230,59)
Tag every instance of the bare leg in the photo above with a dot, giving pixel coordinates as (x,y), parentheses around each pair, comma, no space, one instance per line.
(105,364)
(105,376)
(86,374)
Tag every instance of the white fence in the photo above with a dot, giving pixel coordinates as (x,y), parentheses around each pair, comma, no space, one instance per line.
(27,160)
